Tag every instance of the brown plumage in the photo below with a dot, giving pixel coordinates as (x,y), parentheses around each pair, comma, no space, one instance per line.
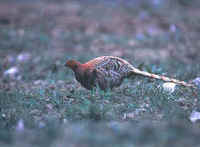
(109,71)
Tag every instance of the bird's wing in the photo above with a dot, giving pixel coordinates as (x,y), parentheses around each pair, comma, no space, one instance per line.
(109,70)
(110,65)
(114,65)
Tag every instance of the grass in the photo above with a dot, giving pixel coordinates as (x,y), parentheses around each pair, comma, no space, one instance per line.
(43,105)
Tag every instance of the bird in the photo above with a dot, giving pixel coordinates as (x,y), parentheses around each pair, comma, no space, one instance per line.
(107,72)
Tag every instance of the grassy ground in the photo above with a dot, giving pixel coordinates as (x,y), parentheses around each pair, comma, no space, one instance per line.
(41,103)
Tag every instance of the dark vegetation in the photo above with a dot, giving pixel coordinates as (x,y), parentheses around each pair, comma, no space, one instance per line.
(41,104)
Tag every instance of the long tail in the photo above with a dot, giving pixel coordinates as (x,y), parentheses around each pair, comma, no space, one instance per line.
(166,79)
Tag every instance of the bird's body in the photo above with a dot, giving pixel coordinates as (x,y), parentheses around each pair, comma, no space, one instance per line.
(109,71)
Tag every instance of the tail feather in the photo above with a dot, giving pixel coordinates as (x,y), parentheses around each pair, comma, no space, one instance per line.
(160,77)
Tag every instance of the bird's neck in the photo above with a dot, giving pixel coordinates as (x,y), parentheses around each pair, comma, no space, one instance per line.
(80,68)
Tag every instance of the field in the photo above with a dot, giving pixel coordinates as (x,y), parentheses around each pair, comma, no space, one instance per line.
(42,104)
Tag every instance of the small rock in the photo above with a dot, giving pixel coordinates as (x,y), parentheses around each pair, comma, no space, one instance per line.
(156,2)
(19,77)
(3,115)
(140,110)
(181,101)
(106,101)
(65,120)
(130,115)
(35,112)
(11,71)
(41,124)
(196,81)
(20,125)
(194,116)
(169,87)
(37,82)
(49,106)
(21,32)
(23,57)
(60,82)
(172,28)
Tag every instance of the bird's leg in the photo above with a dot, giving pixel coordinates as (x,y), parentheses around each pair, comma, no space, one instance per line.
(96,89)
(105,94)
(93,91)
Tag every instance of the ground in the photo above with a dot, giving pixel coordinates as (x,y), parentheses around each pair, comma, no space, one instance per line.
(41,103)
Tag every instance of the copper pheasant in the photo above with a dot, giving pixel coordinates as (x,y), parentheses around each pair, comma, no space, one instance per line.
(109,71)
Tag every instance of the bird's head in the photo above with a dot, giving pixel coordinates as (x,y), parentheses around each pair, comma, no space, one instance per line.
(73,64)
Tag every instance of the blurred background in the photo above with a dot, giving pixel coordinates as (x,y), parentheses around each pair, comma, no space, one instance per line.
(139,29)
(41,101)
